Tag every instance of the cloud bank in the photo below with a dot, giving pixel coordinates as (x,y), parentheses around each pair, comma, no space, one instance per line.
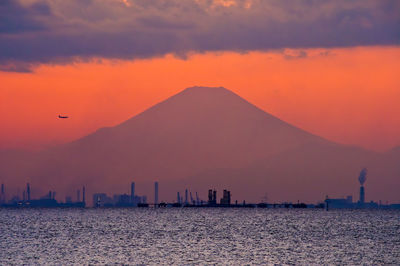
(56,31)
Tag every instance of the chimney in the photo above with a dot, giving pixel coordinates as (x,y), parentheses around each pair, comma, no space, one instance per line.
(83,195)
(362,178)
(210,196)
(3,194)
(28,191)
(215,197)
(362,195)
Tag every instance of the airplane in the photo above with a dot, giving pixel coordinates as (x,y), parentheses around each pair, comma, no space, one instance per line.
(59,116)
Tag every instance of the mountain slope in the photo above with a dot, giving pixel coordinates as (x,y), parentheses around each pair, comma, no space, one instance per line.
(208,137)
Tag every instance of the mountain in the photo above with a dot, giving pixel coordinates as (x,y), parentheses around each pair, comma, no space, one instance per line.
(208,138)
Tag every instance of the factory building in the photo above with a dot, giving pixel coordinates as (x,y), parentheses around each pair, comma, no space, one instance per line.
(226,199)
(212,197)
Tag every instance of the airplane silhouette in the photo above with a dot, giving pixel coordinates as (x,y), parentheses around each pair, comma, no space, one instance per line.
(59,116)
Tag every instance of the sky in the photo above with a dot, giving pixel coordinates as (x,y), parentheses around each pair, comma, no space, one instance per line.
(328,67)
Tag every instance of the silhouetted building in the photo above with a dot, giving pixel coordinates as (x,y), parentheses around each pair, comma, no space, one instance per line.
(178,198)
(28,191)
(102,200)
(84,195)
(350,199)
(2,194)
(212,197)
(46,201)
(191,198)
(137,200)
(186,197)
(123,200)
(226,199)
(346,203)
(362,195)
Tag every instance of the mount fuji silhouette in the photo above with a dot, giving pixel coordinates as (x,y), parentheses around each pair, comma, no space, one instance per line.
(205,138)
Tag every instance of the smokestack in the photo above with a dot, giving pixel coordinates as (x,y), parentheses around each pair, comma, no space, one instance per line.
(132,192)
(191,198)
(214,196)
(155,192)
(83,195)
(362,195)
(78,196)
(362,178)
(28,191)
(3,194)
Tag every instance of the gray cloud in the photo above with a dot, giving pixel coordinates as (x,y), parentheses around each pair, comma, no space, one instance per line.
(15,18)
(58,31)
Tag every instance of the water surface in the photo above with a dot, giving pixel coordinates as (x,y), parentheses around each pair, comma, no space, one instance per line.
(199,236)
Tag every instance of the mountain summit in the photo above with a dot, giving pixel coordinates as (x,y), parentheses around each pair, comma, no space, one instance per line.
(206,138)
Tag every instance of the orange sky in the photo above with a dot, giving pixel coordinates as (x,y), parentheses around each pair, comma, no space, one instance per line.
(348,95)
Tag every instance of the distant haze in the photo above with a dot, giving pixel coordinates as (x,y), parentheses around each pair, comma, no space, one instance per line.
(206,138)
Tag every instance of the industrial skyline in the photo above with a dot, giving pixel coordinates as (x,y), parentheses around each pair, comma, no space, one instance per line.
(101,199)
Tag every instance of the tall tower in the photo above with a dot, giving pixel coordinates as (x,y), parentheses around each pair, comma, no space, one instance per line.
(362,178)
(133,193)
(186,197)
(362,195)
(178,197)
(214,197)
(155,192)
(3,194)
(28,191)
(83,195)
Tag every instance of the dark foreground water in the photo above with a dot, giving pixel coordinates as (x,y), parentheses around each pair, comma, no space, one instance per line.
(199,236)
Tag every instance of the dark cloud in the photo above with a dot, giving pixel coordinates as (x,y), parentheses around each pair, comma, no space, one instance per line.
(15,18)
(61,31)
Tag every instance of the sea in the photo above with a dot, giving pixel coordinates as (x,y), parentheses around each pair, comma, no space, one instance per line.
(186,236)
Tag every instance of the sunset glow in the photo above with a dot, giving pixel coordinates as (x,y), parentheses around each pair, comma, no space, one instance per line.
(348,95)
